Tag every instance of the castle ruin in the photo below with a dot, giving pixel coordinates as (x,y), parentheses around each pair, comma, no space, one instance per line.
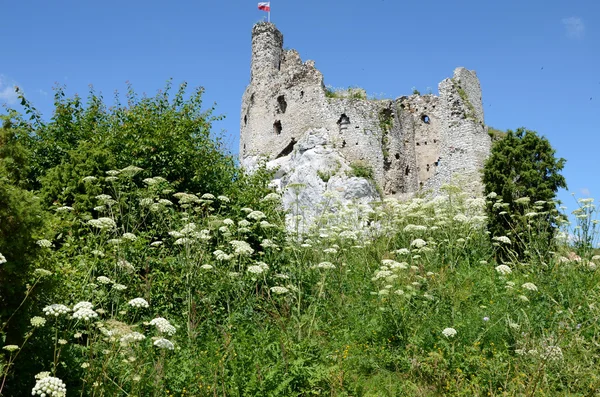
(409,144)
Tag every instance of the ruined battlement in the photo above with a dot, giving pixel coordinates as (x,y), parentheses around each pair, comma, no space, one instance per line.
(410,143)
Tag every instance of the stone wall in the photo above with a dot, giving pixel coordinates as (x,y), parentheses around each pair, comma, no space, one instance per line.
(412,143)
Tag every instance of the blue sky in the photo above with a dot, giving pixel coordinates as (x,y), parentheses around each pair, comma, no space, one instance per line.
(538,61)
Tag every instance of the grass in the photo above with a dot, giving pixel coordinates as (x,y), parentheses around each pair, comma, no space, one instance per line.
(358,307)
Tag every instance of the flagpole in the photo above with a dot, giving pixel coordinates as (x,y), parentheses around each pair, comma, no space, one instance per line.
(269,17)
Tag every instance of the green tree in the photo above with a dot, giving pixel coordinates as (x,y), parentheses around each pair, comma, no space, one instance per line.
(167,135)
(522,165)
(22,222)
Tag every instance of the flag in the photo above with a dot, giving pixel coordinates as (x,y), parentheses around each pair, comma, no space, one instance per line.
(264,6)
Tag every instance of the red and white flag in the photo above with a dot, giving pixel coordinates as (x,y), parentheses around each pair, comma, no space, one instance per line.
(264,6)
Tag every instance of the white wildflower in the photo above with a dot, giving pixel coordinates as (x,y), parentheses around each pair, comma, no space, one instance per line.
(55,310)
(325,265)
(221,256)
(224,199)
(11,348)
(139,303)
(206,267)
(85,314)
(119,287)
(89,179)
(156,243)
(104,280)
(553,353)
(146,202)
(449,332)
(64,208)
(272,197)
(49,386)
(244,223)
(165,202)
(256,215)
(42,272)
(503,269)
(44,243)
(255,269)
(2,259)
(37,321)
(279,290)
(241,247)
(102,223)
(163,343)
(502,239)
(132,337)
(418,243)
(129,236)
(529,286)
(163,326)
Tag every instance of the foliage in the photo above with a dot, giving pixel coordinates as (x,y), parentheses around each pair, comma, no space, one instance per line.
(22,222)
(350,92)
(361,169)
(414,304)
(165,135)
(522,165)
(496,134)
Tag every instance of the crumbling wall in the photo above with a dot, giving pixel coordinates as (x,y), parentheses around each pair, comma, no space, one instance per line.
(410,143)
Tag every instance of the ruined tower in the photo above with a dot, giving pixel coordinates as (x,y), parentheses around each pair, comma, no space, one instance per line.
(408,144)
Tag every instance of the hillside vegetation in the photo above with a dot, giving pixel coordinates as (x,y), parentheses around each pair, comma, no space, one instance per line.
(137,260)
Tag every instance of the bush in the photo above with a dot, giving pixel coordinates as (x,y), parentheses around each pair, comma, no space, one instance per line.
(522,169)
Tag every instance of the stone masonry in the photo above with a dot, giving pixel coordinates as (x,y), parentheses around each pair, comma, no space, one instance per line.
(410,144)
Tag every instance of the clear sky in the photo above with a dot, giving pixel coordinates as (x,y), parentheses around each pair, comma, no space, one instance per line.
(538,61)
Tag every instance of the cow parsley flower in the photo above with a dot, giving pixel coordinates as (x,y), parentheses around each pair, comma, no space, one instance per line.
(163,343)
(37,321)
(85,314)
(2,259)
(55,310)
(132,337)
(129,236)
(255,269)
(503,269)
(119,287)
(44,243)
(530,286)
(49,386)
(418,243)
(11,348)
(206,267)
(449,332)
(274,197)
(256,215)
(42,272)
(553,353)
(163,325)
(279,290)
(223,199)
(325,265)
(102,223)
(83,305)
(138,302)
(241,247)
(221,256)
(502,239)
(104,280)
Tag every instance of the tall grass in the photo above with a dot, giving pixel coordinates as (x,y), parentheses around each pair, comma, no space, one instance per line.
(152,292)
